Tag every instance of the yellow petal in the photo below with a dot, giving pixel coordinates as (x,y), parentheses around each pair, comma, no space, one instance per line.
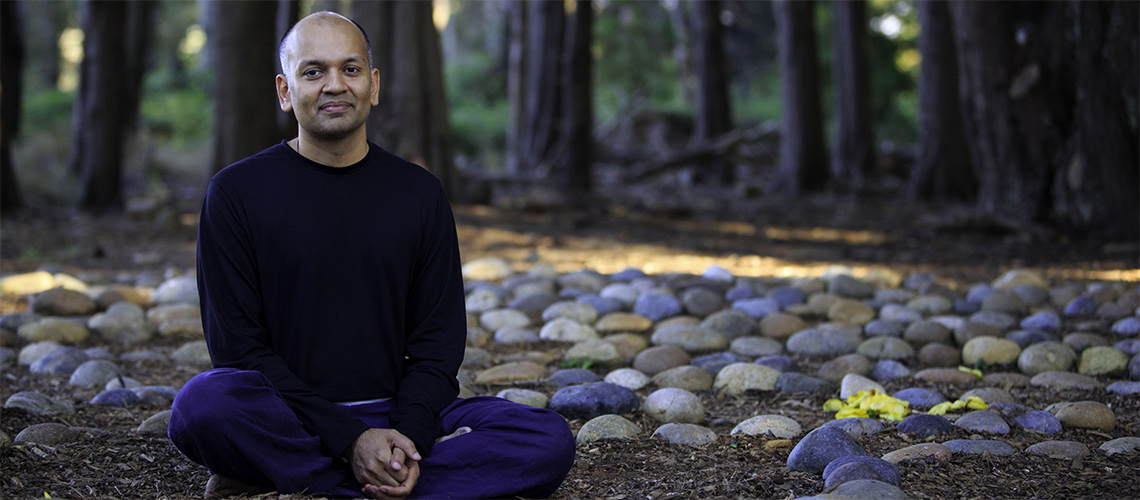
(977,373)
(939,409)
(850,412)
(976,403)
(833,405)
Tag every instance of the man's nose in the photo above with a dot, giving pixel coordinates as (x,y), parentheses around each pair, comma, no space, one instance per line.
(335,83)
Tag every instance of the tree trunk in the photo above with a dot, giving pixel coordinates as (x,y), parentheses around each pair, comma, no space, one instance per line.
(243,52)
(11,90)
(45,22)
(578,99)
(100,129)
(853,156)
(543,115)
(288,13)
(140,19)
(803,155)
(516,83)
(714,115)
(682,57)
(942,169)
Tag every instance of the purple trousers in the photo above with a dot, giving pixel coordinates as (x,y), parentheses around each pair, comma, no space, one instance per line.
(235,423)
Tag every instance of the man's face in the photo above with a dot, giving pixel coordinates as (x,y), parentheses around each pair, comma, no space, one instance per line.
(327,82)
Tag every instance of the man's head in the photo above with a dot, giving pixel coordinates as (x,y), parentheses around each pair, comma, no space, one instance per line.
(326,76)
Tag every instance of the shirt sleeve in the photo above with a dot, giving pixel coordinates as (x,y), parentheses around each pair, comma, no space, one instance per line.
(232,317)
(437,326)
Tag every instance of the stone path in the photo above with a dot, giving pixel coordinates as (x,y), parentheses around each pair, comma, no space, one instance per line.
(641,348)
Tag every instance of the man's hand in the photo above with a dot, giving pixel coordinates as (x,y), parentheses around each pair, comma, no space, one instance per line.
(385,462)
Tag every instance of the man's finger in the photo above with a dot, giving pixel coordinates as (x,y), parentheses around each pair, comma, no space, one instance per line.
(400,441)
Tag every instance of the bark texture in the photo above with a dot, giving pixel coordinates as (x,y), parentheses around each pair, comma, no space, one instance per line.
(803,155)
(99,132)
(714,114)
(853,153)
(11,90)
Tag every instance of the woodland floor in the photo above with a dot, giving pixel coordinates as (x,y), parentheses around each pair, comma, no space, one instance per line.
(774,238)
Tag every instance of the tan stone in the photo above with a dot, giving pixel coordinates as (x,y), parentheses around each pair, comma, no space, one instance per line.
(623,322)
(520,371)
(921,451)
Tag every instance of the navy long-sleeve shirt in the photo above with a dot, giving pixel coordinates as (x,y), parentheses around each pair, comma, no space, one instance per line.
(338,284)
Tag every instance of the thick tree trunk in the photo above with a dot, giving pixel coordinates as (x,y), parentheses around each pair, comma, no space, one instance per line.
(578,99)
(942,170)
(288,13)
(243,52)
(714,115)
(803,155)
(542,122)
(682,56)
(100,129)
(45,21)
(11,90)
(853,155)
(516,83)
(139,22)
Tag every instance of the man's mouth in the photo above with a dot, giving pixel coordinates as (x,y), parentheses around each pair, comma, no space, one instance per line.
(335,106)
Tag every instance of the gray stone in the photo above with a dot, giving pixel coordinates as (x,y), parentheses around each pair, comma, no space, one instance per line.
(847,286)
(922,452)
(689,378)
(1124,387)
(1065,380)
(819,447)
(780,362)
(920,398)
(572,376)
(155,424)
(1004,301)
(533,303)
(856,426)
(980,447)
(925,425)
(982,421)
(483,299)
(33,352)
(144,356)
(1080,306)
(867,489)
(194,353)
(61,302)
(836,369)
(885,348)
(607,427)
(595,351)
(47,434)
(513,335)
(39,404)
(701,302)
(824,340)
(685,434)
(889,369)
(629,378)
(730,322)
(525,397)
(753,347)
(54,329)
(566,330)
(737,378)
(946,376)
(622,292)
(848,472)
(510,372)
(177,290)
(575,311)
(7,357)
(1129,326)
(787,296)
(756,308)
(121,398)
(672,405)
(660,358)
(887,471)
(853,384)
(94,373)
(585,279)
(1079,341)
(798,382)
(61,361)
(1040,421)
(1134,367)
(881,328)
(591,400)
(1046,357)
(900,314)
(1044,320)
(999,320)
(780,325)
(1126,445)
(930,305)
(1066,450)
(714,362)
(1032,295)
(657,306)
(990,395)
(925,332)
(690,338)
(777,426)
(497,319)
(604,305)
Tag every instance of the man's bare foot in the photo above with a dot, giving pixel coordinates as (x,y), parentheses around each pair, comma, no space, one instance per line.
(458,432)
(220,486)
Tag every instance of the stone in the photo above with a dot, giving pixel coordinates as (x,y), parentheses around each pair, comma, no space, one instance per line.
(595,351)
(39,404)
(94,373)
(533,303)
(194,353)
(1004,301)
(853,384)
(1001,321)
(513,335)
(33,352)
(1080,306)
(657,306)
(856,426)
(122,383)
(1026,338)
(685,434)
(972,329)
(1044,320)
(623,322)
(46,434)
(780,362)
(867,489)
(1032,295)
(689,378)
(990,395)
(851,312)
(506,373)
(591,400)
(1018,277)
(781,326)
(585,279)
(61,302)
(847,286)
(739,291)
(487,269)
(627,344)
(1103,360)
(1124,387)
(735,379)
(483,299)
(497,319)
(672,405)
(885,348)
(572,376)
(798,382)
(119,398)
(896,296)
(690,338)
(819,447)
(623,292)
(1130,347)
(474,357)
(824,340)
(1129,326)
(1079,341)
(160,314)
(925,425)
(607,427)
(1125,445)
(777,426)
(123,323)
(155,424)
(946,376)
(939,355)
(882,328)
(524,397)
(61,361)
(188,329)
(757,308)
(27,283)
(1134,367)
(1040,421)
(896,313)
(566,330)
(7,357)
(574,311)
(922,451)
(982,421)
(657,359)
(144,356)
(1065,450)
(930,305)
(980,447)
(714,362)
(924,332)
(55,329)
(701,302)
(177,290)
(629,378)
(990,350)
(1084,415)
(920,398)
(887,471)
(154,395)
(1065,380)
(1046,357)
(731,322)
(834,370)
(753,347)
(889,369)
(787,296)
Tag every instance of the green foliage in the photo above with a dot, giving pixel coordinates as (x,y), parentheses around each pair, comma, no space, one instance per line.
(478,107)
(633,64)
(46,110)
(177,114)
(584,364)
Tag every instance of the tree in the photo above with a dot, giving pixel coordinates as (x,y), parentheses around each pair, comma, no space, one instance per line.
(803,155)
(516,85)
(714,115)
(942,169)
(140,19)
(11,89)
(411,119)
(99,132)
(243,55)
(853,153)
(542,114)
(577,140)
(45,22)
(288,13)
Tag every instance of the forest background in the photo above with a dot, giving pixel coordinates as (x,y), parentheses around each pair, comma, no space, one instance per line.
(1020,115)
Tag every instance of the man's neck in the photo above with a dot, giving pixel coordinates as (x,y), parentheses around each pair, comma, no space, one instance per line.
(335,153)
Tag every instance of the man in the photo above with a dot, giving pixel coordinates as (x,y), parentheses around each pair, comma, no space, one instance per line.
(332,301)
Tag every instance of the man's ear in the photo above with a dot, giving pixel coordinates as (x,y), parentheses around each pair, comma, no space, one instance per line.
(375,97)
(283,94)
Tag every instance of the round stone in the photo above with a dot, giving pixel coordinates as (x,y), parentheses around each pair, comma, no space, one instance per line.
(1084,415)
(735,379)
(657,359)
(94,373)
(836,369)
(851,312)
(1125,445)
(182,289)
(657,306)
(623,322)
(591,400)
(819,447)
(982,421)
(567,330)
(574,311)
(49,434)
(781,326)
(532,303)
(1082,305)
(61,361)
(824,340)
(690,338)
(714,362)
(1065,380)
(900,314)
(939,355)
(585,279)
(753,347)
(856,426)
(885,348)
(920,398)
(39,404)
(930,305)
(990,395)
(1046,357)
(628,377)
(61,302)
(672,405)
(54,329)
(757,308)
(1040,421)
(686,434)
(156,424)
(1026,338)
(886,470)
(991,350)
(525,397)
(1103,360)
(518,371)
(1124,387)
(194,353)
(731,322)
(780,362)
(946,376)
(595,351)
(889,369)
(701,302)
(497,319)
(487,269)
(33,352)
(869,488)
(881,328)
(627,344)
(120,398)
(787,296)
(513,335)
(853,384)
(1065,450)
(474,357)
(1129,326)
(777,426)
(980,447)
(1004,301)
(483,299)
(1044,320)
(924,332)
(999,320)
(922,451)
(688,377)
(925,425)
(797,382)
(973,329)
(620,291)
(601,304)
(607,427)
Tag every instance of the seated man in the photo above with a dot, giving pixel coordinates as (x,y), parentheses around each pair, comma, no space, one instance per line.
(333,306)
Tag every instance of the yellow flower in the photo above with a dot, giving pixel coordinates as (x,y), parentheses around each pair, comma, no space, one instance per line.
(869,404)
(977,373)
(851,412)
(972,402)
(976,403)
(833,405)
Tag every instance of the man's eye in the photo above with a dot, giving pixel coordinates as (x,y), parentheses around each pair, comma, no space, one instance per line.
(311,73)
(352,70)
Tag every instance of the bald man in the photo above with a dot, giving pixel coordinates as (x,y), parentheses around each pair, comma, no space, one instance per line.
(332,301)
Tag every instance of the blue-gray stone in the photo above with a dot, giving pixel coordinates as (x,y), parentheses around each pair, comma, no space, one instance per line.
(920,398)
(1040,421)
(757,308)
(1128,346)
(851,471)
(819,447)
(572,293)
(983,421)
(1127,326)
(786,296)
(156,395)
(780,362)
(533,304)
(713,363)
(573,376)
(1134,367)
(883,328)
(61,361)
(121,398)
(856,426)
(1007,411)
(604,305)
(1044,320)
(886,470)
(1031,294)
(964,307)
(979,293)
(914,281)
(39,404)
(824,341)
(979,447)
(94,373)
(925,425)
(1082,305)
(889,369)
(740,291)
(1026,338)
(657,306)
(628,274)
(1124,387)
(7,357)
(16,320)
(798,382)
(594,399)
(996,319)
